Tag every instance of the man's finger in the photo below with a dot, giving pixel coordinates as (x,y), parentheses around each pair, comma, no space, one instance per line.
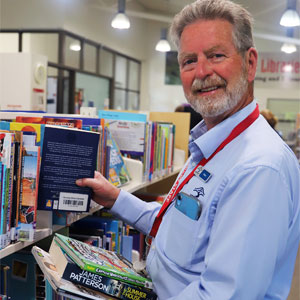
(90,182)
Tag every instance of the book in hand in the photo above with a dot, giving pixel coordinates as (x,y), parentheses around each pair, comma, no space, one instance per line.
(60,285)
(68,270)
(101,262)
(68,154)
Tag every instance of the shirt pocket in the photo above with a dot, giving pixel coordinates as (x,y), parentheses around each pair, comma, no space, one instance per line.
(182,237)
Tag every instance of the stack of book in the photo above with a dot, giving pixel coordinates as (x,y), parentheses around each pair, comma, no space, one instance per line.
(75,268)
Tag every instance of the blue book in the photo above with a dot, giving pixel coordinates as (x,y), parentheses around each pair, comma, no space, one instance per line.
(69,154)
(119,115)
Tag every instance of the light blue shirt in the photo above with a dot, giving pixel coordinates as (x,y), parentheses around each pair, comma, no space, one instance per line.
(244,245)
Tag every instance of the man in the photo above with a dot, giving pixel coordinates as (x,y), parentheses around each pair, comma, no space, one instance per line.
(244,244)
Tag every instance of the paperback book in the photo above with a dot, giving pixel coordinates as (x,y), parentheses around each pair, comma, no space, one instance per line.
(60,285)
(68,154)
(101,262)
(68,270)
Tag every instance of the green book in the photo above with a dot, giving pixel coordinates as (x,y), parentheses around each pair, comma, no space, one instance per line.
(101,261)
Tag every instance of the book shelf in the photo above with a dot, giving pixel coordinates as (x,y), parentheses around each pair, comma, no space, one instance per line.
(44,218)
(45,226)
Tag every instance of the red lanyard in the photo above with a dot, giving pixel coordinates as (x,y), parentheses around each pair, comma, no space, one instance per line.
(177,187)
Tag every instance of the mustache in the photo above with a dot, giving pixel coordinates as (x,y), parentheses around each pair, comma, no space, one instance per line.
(199,84)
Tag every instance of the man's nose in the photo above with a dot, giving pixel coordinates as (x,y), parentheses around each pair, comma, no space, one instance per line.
(203,69)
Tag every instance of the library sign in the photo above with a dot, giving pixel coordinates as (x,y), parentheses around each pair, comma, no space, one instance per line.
(278,70)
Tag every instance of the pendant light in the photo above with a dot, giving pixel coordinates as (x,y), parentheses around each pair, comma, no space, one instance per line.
(289,47)
(290,17)
(163,44)
(121,21)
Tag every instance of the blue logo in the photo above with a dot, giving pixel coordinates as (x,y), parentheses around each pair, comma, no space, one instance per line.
(199,191)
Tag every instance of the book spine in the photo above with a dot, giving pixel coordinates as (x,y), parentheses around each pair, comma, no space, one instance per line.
(105,284)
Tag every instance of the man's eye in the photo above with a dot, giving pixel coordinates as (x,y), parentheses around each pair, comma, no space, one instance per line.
(216,55)
(188,62)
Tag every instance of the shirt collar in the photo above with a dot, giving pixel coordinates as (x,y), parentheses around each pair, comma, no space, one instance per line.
(207,141)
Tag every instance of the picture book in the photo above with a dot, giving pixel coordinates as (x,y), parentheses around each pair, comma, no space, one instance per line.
(118,174)
(27,211)
(66,122)
(68,154)
(101,262)
(68,270)
(61,286)
(122,115)
(129,135)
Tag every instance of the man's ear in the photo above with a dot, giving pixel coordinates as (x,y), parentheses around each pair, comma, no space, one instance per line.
(251,62)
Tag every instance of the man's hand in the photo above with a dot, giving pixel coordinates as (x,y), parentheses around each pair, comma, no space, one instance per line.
(104,193)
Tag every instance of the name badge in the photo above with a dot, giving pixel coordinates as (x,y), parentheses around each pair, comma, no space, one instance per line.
(203,174)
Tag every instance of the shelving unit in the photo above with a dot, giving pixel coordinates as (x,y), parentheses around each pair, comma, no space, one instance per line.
(44,221)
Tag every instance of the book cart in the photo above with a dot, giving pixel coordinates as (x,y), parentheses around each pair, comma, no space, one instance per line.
(45,227)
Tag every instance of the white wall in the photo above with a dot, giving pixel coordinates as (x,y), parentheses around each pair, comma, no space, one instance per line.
(85,18)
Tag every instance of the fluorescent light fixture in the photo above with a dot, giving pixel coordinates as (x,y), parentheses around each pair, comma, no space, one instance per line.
(163,44)
(290,18)
(121,21)
(288,48)
(75,46)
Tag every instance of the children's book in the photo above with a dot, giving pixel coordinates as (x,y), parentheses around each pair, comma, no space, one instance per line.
(61,286)
(68,270)
(66,122)
(101,262)
(69,154)
(118,174)
(27,211)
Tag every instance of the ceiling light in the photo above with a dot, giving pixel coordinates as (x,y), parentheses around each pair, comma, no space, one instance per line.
(288,48)
(290,18)
(163,44)
(121,21)
(75,46)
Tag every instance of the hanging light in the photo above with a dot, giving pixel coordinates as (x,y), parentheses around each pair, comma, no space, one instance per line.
(163,44)
(290,17)
(120,21)
(75,46)
(289,47)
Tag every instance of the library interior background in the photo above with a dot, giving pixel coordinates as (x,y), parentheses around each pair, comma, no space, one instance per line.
(80,64)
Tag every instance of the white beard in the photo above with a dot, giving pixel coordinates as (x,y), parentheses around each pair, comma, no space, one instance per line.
(213,106)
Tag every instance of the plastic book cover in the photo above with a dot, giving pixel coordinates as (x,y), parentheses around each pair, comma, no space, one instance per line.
(60,285)
(102,262)
(71,272)
(118,174)
(68,154)
(66,122)
(30,166)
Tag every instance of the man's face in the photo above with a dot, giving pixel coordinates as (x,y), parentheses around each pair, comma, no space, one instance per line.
(213,74)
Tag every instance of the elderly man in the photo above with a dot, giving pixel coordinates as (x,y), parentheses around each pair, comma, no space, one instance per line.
(243,245)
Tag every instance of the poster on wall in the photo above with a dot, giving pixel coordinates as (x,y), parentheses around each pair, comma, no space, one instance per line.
(278,70)
(172,75)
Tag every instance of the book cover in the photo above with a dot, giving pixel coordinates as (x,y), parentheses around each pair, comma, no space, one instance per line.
(66,122)
(100,261)
(30,166)
(123,116)
(60,285)
(68,270)
(118,174)
(68,154)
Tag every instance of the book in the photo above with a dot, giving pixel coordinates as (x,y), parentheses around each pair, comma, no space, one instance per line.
(60,285)
(118,174)
(68,270)
(101,262)
(68,154)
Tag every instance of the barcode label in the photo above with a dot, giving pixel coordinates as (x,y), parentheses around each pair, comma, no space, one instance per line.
(72,201)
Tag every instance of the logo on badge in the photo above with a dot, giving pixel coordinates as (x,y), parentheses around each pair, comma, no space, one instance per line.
(203,174)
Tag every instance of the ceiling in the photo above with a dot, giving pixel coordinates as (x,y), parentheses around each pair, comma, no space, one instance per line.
(266,13)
